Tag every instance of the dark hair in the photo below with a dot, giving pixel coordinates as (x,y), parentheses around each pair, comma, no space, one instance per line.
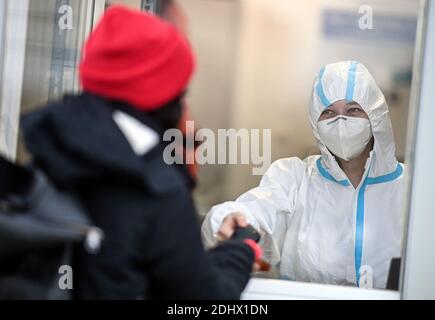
(169,115)
(166,116)
(163,5)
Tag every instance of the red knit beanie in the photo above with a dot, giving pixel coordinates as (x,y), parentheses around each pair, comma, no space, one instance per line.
(135,57)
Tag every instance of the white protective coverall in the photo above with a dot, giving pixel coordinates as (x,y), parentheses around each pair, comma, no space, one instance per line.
(315,225)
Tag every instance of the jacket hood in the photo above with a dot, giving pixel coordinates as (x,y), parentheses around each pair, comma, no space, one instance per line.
(350,80)
(77,138)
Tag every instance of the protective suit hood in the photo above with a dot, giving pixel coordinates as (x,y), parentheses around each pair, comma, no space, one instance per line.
(350,80)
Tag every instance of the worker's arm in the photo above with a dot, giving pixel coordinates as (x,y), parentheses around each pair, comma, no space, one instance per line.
(265,207)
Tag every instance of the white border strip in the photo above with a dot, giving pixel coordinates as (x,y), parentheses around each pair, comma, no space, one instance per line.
(13,71)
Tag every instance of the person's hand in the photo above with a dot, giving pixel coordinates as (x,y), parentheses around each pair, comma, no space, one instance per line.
(230,223)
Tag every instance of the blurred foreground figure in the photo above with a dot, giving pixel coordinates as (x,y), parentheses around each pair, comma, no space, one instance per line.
(105,147)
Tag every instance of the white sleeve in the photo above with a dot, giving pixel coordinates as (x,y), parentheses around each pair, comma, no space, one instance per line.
(266,207)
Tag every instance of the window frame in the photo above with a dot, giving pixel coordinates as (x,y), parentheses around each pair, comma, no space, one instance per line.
(417,276)
(14,45)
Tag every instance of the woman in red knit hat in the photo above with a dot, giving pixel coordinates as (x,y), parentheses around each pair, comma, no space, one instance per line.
(105,147)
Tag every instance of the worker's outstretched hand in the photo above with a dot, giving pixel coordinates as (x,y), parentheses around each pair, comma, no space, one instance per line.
(229,225)
(236,226)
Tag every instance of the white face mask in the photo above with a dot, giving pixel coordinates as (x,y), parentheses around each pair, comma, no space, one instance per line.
(346,137)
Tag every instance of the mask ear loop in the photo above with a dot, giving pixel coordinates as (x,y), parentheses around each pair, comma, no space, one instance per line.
(371,130)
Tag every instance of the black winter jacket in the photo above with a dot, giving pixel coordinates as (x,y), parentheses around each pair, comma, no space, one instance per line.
(152,247)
